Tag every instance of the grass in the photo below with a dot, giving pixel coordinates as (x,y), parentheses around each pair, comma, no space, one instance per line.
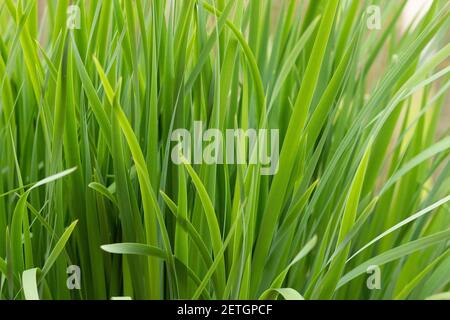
(86,176)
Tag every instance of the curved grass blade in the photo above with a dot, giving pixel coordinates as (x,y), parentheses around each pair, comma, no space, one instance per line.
(29,283)
(394,254)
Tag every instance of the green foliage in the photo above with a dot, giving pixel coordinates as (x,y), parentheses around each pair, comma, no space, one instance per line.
(363,174)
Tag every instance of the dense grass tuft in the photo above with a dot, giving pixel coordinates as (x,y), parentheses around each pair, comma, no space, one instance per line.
(358,208)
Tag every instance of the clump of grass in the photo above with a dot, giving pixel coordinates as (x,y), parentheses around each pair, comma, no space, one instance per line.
(357,210)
